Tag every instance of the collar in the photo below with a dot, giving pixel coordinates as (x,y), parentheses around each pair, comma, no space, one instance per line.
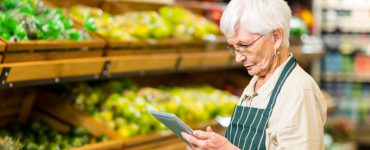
(267,88)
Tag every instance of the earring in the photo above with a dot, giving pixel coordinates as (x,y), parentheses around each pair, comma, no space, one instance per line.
(276,52)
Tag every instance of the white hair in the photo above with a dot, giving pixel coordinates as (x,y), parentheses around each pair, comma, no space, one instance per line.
(256,16)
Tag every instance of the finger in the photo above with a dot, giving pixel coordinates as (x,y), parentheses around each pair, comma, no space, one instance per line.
(201,134)
(193,140)
(209,129)
(185,135)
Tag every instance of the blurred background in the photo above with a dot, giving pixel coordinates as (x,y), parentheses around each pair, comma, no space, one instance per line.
(79,74)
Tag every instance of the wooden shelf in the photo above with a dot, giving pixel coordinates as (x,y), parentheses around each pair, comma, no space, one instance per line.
(205,60)
(50,55)
(139,63)
(51,69)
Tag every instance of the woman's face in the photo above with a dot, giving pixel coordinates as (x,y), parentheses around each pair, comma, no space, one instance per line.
(254,51)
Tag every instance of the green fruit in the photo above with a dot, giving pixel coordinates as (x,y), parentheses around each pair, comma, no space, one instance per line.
(76,142)
(58,138)
(64,145)
(79,131)
(102,139)
(9,4)
(141,31)
(42,139)
(52,146)
(3,133)
(90,25)
(74,34)
(31,146)
(27,8)
(160,32)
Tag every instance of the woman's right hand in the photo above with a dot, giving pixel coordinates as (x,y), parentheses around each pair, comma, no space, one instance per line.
(208,140)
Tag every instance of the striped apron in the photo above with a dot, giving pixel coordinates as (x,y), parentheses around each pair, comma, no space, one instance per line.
(248,124)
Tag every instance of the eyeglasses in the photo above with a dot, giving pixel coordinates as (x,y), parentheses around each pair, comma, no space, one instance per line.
(241,47)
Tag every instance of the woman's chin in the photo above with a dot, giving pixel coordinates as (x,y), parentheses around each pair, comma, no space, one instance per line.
(251,72)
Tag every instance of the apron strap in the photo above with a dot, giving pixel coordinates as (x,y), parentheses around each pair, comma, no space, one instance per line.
(279,84)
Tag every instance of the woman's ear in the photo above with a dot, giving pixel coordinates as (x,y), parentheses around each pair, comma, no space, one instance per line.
(278,36)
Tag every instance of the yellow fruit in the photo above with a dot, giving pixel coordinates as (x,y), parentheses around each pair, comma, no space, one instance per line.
(141,32)
(124,132)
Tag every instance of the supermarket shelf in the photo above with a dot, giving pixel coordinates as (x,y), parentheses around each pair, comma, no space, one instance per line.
(15,72)
(130,64)
(65,70)
(345,77)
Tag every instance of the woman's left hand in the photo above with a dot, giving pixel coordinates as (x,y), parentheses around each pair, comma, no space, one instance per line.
(207,140)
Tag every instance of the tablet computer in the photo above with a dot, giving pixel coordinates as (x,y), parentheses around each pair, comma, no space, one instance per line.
(172,122)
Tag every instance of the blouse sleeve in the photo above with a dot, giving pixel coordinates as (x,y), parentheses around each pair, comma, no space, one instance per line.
(302,128)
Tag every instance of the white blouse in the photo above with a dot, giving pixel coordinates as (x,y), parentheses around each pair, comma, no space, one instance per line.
(298,117)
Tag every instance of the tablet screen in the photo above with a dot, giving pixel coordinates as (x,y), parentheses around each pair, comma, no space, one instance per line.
(173,123)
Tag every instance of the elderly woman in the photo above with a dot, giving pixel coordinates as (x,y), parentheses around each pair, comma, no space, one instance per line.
(282,107)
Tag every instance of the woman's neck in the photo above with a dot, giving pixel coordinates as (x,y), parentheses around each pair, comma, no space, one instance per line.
(277,61)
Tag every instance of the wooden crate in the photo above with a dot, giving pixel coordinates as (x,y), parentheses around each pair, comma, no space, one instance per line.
(139,63)
(50,55)
(39,70)
(16,105)
(204,60)
(1,57)
(219,44)
(32,50)
(56,107)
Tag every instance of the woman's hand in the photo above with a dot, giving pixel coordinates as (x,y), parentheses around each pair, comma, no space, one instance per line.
(207,140)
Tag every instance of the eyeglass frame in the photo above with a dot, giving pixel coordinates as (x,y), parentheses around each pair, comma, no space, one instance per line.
(234,50)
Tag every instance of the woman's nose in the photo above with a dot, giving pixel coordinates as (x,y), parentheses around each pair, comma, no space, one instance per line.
(239,58)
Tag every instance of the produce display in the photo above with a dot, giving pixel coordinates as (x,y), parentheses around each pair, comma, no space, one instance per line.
(39,136)
(168,22)
(122,105)
(32,20)
(8,143)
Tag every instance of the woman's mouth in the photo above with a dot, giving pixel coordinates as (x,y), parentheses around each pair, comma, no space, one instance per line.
(248,67)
